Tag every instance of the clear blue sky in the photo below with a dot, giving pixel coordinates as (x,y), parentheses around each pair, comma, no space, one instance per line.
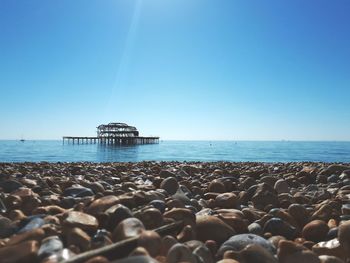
(184,69)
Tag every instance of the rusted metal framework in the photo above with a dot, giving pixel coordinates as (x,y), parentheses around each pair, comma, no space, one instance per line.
(114,133)
(116,129)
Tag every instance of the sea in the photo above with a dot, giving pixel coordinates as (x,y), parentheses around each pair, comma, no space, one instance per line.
(237,151)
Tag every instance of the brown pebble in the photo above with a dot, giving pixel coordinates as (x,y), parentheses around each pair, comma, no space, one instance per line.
(289,252)
(36,234)
(79,238)
(151,241)
(212,228)
(21,253)
(186,234)
(102,204)
(315,231)
(216,186)
(344,235)
(226,200)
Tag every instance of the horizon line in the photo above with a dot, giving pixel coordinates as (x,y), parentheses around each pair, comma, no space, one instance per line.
(213,140)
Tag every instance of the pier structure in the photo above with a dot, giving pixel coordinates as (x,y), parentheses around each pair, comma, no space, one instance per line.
(113,133)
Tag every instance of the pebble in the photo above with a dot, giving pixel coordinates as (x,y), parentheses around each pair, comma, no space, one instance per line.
(264,196)
(255,253)
(6,227)
(289,252)
(32,223)
(151,218)
(159,204)
(9,186)
(180,253)
(330,259)
(239,242)
(330,248)
(226,200)
(79,238)
(151,241)
(281,186)
(315,231)
(255,228)
(231,212)
(35,234)
(212,228)
(130,227)
(81,220)
(78,191)
(170,185)
(117,213)
(277,226)
(101,239)
(50,246)
(184,214)
(216,186)
(21,253)
(102,204)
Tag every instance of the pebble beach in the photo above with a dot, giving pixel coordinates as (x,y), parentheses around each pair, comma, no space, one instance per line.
(197,212)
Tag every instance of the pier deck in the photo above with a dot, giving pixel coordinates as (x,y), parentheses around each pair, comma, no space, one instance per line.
(111,140)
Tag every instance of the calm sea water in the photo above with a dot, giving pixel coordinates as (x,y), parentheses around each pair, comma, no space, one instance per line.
(267,151)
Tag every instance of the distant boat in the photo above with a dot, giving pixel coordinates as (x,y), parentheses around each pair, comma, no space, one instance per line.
(22,140)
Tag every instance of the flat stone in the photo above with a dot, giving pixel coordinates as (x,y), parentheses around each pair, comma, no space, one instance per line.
(102,204)
(81,220)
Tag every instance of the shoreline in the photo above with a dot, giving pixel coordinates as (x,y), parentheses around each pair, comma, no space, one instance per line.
(171,211)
